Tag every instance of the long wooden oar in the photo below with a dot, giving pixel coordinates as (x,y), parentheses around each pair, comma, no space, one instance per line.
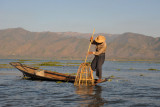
(89,46)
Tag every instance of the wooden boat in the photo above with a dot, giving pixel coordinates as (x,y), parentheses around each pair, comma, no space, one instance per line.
(40,74)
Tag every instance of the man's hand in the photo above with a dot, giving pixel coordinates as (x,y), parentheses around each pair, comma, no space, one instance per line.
(91,39)
(90,53)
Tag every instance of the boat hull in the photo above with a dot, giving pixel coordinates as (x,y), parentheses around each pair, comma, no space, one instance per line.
(33,73)
(40,74)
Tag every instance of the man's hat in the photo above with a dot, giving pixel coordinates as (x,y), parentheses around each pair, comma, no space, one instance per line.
(100,39)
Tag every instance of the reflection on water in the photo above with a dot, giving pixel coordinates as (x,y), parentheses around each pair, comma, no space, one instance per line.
(90,95)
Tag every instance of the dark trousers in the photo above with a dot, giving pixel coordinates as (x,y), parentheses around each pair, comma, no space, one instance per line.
(97,63)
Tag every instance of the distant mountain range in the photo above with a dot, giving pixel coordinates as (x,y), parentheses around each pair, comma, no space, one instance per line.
(20,43)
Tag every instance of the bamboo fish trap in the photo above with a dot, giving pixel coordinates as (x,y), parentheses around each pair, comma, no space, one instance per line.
(85,74)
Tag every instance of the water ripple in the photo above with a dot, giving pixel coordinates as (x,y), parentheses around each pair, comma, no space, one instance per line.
(128,89)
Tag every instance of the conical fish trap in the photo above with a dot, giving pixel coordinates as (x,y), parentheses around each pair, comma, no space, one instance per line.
(84,75)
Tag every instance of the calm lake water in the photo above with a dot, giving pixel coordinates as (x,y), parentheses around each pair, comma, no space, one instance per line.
(133,85)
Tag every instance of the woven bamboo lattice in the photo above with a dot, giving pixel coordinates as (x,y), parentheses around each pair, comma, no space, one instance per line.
(84,75)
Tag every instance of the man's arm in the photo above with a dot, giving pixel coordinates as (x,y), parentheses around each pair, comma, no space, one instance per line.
(103,49)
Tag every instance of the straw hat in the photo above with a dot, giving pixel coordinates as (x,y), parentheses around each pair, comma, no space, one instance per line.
(100,39)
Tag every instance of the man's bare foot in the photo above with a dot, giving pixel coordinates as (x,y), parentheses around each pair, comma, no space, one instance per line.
(99,80)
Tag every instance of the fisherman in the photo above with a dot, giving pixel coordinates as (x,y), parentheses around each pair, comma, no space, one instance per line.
(97,62)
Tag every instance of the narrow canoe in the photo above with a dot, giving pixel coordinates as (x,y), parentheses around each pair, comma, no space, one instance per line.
(40,74)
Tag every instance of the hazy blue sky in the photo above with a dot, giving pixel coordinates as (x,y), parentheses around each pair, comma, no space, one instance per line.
(106,16)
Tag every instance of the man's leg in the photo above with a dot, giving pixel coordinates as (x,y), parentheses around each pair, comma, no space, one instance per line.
(94,63)
(101,59)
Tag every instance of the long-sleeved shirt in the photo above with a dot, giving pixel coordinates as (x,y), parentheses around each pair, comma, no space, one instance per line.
(100,47)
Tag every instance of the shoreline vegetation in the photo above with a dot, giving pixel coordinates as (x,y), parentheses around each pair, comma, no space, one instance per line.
(131,69)
(81,59)
(114,60)
(37,63)
(55,63)
(5,66)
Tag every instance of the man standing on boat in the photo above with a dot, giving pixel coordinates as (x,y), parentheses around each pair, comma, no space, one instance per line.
(97,62)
